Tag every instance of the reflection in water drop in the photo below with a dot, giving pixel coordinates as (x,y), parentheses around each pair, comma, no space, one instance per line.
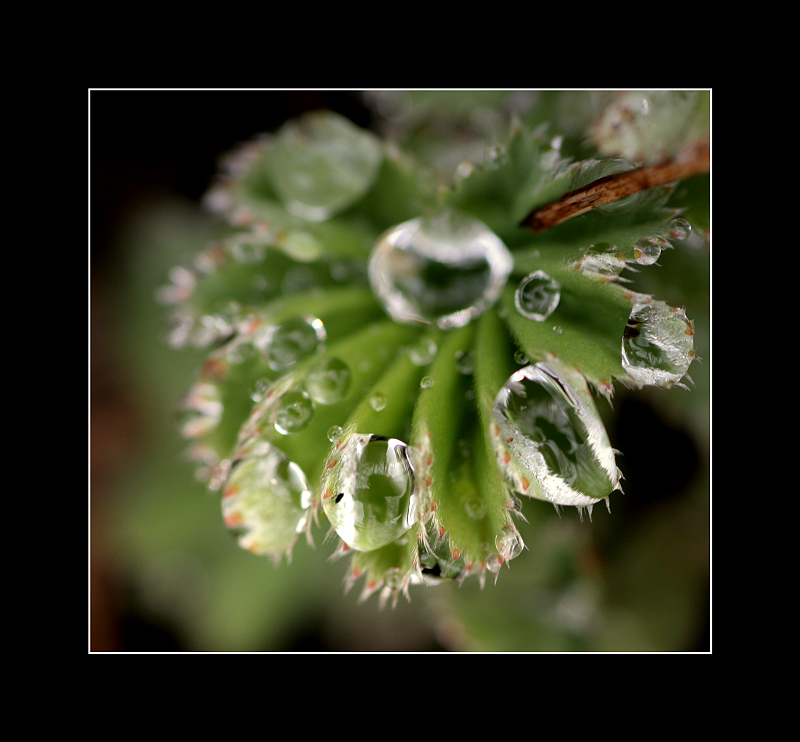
(508,542)
(647,250)
(286,344)
(294,412)
(445,269)
(537,296)
(368,492)
(329,381)
(680,229)
(377,401)
(266,500)
(423,352)
(549,439)
(657,344)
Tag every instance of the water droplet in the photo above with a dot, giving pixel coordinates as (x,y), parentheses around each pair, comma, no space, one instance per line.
(520,357)
(646,251)
(427,382)
(680,229)
(537,296)
(369,491)
(286,344)
(657,344)
(266,500)
(294,412)
(549,439)
(423,352)
(335,432)
(200,411)
(476,508)
(329,381)
(445,269)
(557,330)
(465,362)
(377,401)
(394,578)
(260,388)
(508,543)
(322,163)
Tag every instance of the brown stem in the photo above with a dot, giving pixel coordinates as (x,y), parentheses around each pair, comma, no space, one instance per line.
(615,187)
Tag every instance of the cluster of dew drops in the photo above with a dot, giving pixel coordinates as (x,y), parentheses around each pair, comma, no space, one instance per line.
(560,454)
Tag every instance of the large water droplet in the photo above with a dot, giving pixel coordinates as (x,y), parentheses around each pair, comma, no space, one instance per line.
(537,296)
(445,269)
(294,412)
(368,493)
(329,381)
(657,344)
(322,163)
(266,500)
(286,344)
(550,441)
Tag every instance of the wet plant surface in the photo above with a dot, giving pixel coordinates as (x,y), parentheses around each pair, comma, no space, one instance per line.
(391,358)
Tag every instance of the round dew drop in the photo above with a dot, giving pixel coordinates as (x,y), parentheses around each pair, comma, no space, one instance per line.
(329,382)
(287,344)
(294,412)
(445,269)
(371,494)
(377,401)
(537,296)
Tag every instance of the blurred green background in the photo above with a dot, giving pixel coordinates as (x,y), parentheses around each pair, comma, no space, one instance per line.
(166,575)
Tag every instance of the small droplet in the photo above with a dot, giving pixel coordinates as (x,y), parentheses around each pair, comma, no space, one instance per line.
(377,401)
(537,296)
(294,412)
(680,229)
(335,432)
(260,389)
(549,438)
(423,352)
(657,344)
(508,543)
(476,508)
(295,340)
(520,357)
(266,500)
(557,330)
(393,579)
(375,500)
(465,362)
(445,269)
(329,381)
(427,382)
